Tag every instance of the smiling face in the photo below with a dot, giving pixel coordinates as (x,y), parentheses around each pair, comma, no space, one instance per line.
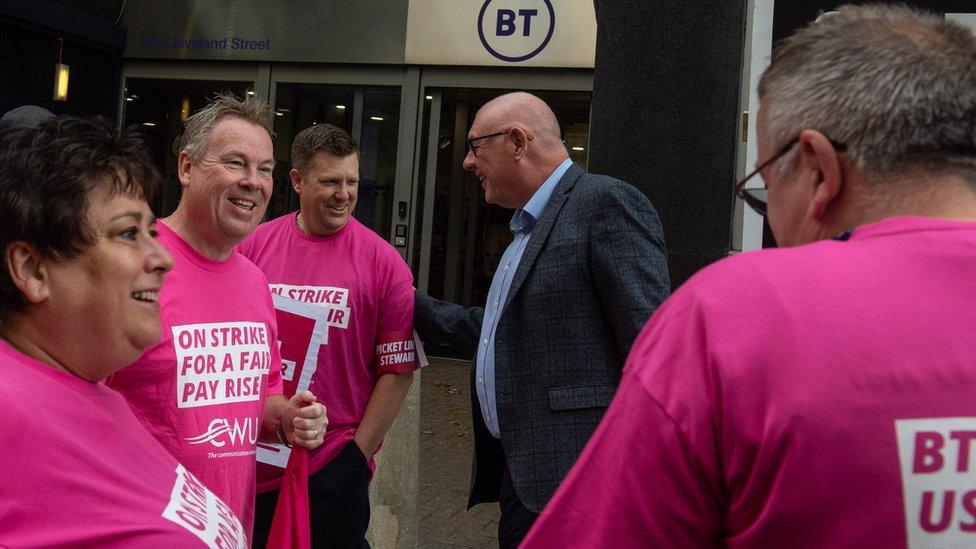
(327,192)
(494,164)
(105,300)
(226,191)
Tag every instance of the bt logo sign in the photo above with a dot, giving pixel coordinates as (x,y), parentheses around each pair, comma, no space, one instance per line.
(516,30)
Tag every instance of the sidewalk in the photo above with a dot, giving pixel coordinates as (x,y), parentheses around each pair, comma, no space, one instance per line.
(446,443)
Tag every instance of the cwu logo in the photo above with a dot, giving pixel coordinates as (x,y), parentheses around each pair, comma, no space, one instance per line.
(516,30)
(220,432)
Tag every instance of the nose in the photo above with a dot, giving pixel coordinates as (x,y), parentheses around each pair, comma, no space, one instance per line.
(158,259)
(252,179)
(468,163)
(342,191)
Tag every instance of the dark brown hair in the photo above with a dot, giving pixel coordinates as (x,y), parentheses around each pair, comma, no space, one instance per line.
(46,175)
(324,138)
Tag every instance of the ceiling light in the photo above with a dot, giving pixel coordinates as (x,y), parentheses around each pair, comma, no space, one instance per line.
(428,97)
(150,124)
(341,107)
(184,109)
(279,113)
(60,76)
(579,149)
(376,118)
(250,92)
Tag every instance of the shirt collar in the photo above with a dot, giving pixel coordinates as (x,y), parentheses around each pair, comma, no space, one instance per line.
(526,217)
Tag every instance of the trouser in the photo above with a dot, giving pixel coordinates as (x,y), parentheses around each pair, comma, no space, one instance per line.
(516,519)
(338,497)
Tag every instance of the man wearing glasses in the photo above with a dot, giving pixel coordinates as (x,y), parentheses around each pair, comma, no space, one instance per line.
(585,269)
(820,394)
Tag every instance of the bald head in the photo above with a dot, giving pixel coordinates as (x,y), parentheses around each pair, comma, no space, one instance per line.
(528,112)
(514,146)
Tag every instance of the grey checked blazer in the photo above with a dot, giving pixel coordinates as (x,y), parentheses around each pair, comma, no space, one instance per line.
(593,271)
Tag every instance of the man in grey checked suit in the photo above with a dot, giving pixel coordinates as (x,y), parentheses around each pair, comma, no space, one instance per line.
(585,270)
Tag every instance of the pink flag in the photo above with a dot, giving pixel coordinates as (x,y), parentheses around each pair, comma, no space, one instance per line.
(290,527)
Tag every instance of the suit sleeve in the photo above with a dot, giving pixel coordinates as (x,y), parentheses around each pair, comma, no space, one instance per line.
(630,264)
(446,323)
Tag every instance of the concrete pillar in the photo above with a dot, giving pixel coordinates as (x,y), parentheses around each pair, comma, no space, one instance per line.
(394,511)
(665,115)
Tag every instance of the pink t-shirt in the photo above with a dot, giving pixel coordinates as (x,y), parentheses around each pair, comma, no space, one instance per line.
(368,290)
(80,471)
(200,391)
(816,396)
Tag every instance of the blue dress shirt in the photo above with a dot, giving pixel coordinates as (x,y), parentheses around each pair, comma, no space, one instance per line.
(521,225)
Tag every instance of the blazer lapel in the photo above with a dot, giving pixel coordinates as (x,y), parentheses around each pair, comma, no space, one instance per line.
(540,233)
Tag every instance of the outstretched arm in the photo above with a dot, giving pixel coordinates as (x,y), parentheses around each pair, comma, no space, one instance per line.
(448,324)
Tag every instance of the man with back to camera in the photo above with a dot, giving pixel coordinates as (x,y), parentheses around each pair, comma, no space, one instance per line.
(821,394)
(324,256)
(211,387)
(586,268)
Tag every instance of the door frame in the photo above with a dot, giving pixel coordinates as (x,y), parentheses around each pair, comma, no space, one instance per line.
(256,73)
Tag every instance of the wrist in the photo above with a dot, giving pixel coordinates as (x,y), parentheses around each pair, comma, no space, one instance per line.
(280,430)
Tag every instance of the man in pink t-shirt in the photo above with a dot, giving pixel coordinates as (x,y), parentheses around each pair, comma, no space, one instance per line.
(819,395)
(323,256)
(211,388)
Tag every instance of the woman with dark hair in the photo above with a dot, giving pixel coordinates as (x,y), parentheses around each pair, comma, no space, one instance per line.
(81,271)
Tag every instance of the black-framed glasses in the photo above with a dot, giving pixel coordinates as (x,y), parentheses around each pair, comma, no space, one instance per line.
(756,198)
(474,150)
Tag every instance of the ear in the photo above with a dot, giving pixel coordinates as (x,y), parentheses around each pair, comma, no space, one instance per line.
(183,169)
(296,180)
(28,272)
(521,139)
(822,161)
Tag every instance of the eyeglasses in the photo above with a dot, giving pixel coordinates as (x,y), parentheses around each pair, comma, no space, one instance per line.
(756,198)
(474,150)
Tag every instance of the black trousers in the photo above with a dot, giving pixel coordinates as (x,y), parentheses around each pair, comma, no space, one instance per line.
(516,519)
(338,497)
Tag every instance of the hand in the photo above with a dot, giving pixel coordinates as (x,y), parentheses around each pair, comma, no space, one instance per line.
(304,420)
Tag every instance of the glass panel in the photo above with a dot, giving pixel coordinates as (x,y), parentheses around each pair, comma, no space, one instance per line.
(161,107)
(418,198)
(377,167)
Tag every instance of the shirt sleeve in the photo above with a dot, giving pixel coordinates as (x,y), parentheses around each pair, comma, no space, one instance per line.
(647,478)
(395,349)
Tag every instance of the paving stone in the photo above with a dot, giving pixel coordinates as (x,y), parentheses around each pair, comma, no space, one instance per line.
(446,443)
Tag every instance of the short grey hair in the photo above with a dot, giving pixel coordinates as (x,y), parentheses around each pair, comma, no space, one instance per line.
(197,129)
(894,84)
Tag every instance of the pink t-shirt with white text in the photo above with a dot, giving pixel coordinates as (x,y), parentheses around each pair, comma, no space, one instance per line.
(368,289)
(200,391)
(816,396)
(81,471)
